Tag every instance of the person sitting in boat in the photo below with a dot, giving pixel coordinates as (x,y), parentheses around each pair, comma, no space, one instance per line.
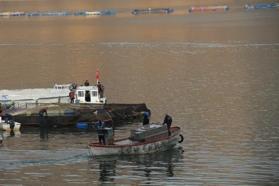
(146,118)
(101,132)
(72,96)
(168,122)
(86,83)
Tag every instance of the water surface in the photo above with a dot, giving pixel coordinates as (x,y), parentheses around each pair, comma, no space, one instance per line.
(215,73)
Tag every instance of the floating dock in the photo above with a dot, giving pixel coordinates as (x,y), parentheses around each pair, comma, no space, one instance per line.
(152,11)
(208,8)
(12,14)
(261,6)
(59,13)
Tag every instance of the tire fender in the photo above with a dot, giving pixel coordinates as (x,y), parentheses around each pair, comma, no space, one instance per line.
(181,138)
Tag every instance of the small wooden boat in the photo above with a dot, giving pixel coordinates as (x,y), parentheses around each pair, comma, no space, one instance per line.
(148,139)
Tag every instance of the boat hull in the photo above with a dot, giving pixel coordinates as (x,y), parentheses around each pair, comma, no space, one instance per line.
(162,143)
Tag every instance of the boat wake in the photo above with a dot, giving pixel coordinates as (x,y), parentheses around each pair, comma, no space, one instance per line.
(15,159)
(148,44)
(187,44)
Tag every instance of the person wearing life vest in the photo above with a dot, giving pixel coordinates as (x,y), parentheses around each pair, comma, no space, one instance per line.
(168,122)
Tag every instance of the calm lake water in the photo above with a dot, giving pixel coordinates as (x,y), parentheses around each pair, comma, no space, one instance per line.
(215,73)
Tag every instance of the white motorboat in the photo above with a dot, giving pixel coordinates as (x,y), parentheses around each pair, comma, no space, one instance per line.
(58,94)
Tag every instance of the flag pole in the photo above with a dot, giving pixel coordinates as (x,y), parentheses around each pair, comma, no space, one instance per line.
(97,76)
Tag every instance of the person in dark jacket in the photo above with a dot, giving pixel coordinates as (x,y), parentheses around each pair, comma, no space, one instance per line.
(86,83)
(145,120)
(100,89)
(101,132)
(72,96)
(43,123)
(168,122)
(1,111)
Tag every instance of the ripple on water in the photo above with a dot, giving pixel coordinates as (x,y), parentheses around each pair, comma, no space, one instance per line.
(14,159)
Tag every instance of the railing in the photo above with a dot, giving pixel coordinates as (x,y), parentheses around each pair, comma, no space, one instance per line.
(31,103)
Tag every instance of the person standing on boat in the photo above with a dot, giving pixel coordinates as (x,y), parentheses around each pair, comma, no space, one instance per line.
(1,140)
(168,122)
(43,123)
(1,111)
(101,132)
(100,89)
(86,83)
(146,118)
(72,96)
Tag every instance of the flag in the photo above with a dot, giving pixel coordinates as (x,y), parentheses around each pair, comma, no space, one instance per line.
(97,75)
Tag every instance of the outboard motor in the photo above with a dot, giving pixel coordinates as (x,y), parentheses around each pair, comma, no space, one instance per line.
(109,135)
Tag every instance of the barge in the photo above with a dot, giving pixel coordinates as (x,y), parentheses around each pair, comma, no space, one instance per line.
(63,115)
(88,104)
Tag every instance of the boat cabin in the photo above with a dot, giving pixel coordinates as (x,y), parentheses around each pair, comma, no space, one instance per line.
(89,94)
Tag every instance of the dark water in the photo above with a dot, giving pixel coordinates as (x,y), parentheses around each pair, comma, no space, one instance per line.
(215,73)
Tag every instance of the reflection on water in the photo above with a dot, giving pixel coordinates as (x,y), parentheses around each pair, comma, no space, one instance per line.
(16,159)
(129,169)
(107,170)
(211,153)
(8,134)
